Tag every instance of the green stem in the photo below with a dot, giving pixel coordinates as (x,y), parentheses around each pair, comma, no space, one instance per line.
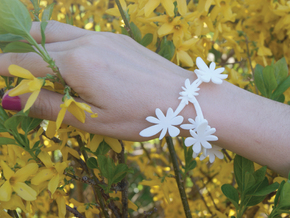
(178,177)
(126,21)
(47,59)
(96,189)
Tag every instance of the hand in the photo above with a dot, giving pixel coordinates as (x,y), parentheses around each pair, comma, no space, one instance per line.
(120,79)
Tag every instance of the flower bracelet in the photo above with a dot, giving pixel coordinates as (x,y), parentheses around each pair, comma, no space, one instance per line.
(199,129)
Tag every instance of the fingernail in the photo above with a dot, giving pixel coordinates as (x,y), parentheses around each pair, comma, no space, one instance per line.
(11,103)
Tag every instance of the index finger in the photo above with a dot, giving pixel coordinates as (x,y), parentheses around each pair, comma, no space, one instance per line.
(57,32)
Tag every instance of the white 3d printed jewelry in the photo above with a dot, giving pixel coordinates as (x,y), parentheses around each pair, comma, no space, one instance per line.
(201,133)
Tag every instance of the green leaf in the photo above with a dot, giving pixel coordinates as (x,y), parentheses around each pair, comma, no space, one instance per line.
(281,70)
(47,12)
(19,47)
(285,195)
(5,141)
(232,194)
(147,39)
(241,166)
(259,80)
(119,173)
(167,49)
(249,182)
(92,163)
(269,79)
(190,166)
(255,200)
(3,115)
(278,193)
(3,128)
(13,122)
(43,25)
(15,18)
(281,88)
(10,38)
(107,167)
(124,31)
(136,32)
(259,176)
(35,5)
(29,123)
(267,190)
(102,149)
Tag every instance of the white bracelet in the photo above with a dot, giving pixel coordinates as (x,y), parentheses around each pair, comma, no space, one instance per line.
(199,129)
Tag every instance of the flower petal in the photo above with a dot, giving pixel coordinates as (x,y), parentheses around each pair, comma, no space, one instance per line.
(150,131)
(201,65)
(42,176)
(206,144)
(22,174)
(8,173)
(5,191)
(60,117)
(20,89)
(189,141)
(163,133)
(173,131)
(45,158)
(32,98)
(53,183)
(150,6)
(196,147)
(20,72)
(114,144)
(24,191)
(159,114)
(176,120)
(152,120)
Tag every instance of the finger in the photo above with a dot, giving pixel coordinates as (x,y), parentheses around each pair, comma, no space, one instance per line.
(46,106)
(57,32)
(30,61)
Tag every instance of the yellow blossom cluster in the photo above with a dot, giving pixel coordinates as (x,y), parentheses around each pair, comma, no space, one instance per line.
(236,34)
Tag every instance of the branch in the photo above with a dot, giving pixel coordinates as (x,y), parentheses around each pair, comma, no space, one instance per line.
(126,21)
(74,212)
(123,184)
(178,177)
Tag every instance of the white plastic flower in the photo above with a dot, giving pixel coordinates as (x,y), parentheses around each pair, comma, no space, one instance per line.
(163,123)
(190,91)
(200,137)
(212,153)
(206,73)
(193,123)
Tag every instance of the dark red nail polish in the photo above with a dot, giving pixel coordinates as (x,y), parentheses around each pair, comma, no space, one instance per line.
(11,103)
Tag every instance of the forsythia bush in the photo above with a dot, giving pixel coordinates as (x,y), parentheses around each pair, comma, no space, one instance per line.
(48,169)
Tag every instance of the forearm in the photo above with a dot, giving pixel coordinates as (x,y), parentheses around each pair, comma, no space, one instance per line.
(248,124)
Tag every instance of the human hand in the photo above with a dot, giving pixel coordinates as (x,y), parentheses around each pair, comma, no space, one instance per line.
(121,80)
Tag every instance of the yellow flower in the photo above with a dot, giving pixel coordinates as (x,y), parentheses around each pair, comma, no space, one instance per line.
(53,172)
(153,4)
(97,139)
(75,108)
(30,84)
(181,51)
(178,26)
(15,182)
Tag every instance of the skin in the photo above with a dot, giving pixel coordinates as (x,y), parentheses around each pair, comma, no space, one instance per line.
(124,83)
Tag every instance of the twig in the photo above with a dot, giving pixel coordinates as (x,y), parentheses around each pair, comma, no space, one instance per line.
(126,21)
(123,184)
(74,212)
(97,192)
(250,61)
(178,177)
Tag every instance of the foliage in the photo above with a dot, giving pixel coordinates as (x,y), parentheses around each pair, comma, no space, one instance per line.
(49,169)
